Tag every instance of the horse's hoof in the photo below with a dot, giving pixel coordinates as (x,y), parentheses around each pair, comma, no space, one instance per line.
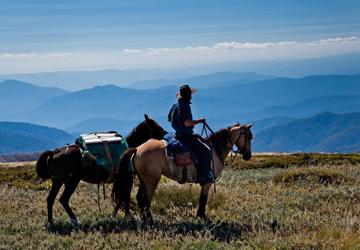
(128,217)
(201,216)
(49,225)
(74,222)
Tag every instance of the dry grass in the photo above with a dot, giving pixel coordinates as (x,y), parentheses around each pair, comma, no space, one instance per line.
(313,205)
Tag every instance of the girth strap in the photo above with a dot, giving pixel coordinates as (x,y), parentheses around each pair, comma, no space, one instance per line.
(109,158)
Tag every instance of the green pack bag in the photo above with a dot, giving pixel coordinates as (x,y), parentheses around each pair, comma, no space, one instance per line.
(103,149)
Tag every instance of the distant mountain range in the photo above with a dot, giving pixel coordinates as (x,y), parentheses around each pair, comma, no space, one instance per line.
(102,125)
(204,81)
(270,102)
(312,106)
(325,132)
(16,96)
(245,102)
(346,64)
(25,137)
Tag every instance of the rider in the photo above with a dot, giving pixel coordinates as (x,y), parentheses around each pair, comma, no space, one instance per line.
(183,123)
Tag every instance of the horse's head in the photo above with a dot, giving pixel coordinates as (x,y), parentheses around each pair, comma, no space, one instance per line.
(144,131)
(155,130)
(241,136)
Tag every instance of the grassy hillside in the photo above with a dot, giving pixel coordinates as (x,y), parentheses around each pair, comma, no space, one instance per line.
(296,201)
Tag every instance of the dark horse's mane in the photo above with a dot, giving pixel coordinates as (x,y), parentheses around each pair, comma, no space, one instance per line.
(142,130)
(218,140)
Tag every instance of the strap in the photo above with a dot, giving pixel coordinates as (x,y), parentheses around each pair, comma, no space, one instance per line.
(108,153)
(109,158)
(98,192)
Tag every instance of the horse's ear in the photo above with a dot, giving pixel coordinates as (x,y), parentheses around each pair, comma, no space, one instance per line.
(146,117)
(249,125)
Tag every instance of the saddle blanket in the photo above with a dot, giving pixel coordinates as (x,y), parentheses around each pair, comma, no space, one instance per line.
(178,154)
(177,150)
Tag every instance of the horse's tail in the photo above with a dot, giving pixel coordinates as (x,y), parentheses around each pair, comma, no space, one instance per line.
(42,165)
(123,180)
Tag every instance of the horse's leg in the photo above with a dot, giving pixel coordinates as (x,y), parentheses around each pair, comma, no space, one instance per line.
(55,187)
(141,199)
(150,187)
(70,186)
(128,198)
(116,209)
(144,196)
(203,200)
(127,210)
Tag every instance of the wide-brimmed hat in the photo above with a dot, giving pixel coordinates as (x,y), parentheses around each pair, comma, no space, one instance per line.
(185,90)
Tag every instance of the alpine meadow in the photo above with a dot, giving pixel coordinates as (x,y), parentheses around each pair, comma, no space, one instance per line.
(157,124)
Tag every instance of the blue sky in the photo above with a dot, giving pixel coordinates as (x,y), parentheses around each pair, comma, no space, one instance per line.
(88,29)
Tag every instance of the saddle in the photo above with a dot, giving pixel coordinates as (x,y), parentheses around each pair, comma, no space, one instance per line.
(182,160)
(179,151)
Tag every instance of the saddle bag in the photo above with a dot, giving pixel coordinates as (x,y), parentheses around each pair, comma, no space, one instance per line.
(102,149)
(183,159)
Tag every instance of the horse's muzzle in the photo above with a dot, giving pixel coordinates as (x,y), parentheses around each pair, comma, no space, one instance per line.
(247,156)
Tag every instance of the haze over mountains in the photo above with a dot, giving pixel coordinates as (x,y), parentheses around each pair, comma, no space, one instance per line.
(224,98)
(346,64)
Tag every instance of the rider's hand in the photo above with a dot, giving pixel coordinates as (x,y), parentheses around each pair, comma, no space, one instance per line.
(201,120)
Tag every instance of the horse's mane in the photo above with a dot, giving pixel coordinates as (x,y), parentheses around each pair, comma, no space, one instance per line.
(144,131)
(219,139)
(140,125)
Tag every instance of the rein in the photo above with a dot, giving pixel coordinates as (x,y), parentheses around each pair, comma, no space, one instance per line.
(225,146)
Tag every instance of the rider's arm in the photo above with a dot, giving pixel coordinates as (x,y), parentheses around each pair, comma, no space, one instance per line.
(191,123)
(186,115)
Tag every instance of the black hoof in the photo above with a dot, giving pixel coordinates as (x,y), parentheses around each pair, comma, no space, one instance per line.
(49,225)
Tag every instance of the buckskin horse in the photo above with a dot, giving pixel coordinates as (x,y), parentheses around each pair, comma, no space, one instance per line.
(150,162)
(63,166)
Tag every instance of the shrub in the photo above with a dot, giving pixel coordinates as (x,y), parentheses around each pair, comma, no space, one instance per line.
(319,175)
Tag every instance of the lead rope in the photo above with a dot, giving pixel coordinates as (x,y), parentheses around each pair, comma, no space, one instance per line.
(98,200)
(206,126)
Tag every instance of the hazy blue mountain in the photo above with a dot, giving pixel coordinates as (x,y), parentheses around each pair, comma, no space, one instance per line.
(270,122)
(312,106)
(220,105)
(102,101)
(25,137)
(326,132)
(76,80)
(346,64)
(204,81)
(346,140)
(103,124)
(285,91)
(16,96)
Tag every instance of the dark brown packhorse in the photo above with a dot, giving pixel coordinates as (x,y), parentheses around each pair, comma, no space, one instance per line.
(150,163)
(63,166)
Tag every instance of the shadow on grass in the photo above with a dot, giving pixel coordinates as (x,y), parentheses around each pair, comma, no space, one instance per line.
(221,231)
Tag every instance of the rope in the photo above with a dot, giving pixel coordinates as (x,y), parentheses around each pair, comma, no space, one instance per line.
(98,191)
(205,127)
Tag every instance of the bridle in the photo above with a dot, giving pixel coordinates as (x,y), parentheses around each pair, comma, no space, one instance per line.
(242,150)
(225,145)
